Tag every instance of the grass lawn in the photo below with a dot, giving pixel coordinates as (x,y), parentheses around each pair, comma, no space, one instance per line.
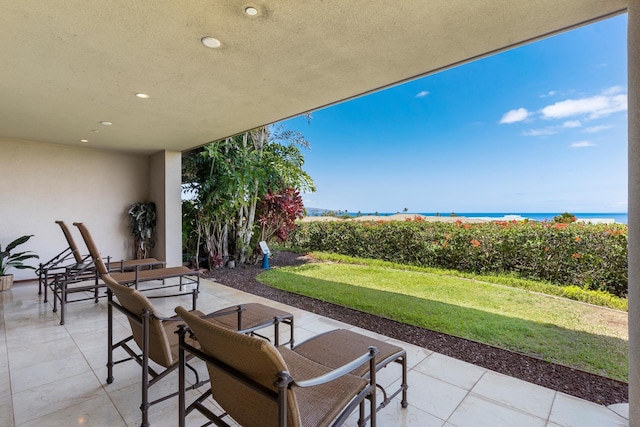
(555,329)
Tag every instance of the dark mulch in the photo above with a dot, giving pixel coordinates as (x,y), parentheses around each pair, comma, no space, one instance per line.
(572,381)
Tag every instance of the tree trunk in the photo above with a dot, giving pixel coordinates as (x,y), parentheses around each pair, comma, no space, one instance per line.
(248,225)
(247,230)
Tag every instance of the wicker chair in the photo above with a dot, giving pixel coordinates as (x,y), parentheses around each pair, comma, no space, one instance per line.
(112,266)
(71,273)
(69,263)
(186,275)
(258,384)
(156,338)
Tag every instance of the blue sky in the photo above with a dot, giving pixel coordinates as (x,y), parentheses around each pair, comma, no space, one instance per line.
(540,128)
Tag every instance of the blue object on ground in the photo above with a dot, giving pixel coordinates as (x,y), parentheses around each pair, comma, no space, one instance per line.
(265,262)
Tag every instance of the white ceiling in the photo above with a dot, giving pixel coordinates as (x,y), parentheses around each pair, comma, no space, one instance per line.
(66,65)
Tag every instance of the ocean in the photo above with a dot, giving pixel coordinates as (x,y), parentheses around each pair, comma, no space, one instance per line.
(618,217)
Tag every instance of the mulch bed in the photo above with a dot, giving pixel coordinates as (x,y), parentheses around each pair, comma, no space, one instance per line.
(571,381)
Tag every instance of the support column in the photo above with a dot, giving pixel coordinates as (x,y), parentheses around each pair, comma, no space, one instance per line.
(165,190)
(633,58)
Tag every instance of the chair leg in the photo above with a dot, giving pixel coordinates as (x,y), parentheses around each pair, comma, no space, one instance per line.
(54,292)
(109,337)
(63,299)
(404,385)
(181,380)
(362,418)
(291,340)
(95,289)
(144,405)
(197,291)
(46,286)
(373,380)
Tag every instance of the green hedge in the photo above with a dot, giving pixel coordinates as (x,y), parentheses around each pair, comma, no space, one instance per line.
(588,256)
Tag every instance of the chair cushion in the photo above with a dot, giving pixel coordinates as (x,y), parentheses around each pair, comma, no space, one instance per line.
(335,348)
(254,357)
(254,315)
(320,404)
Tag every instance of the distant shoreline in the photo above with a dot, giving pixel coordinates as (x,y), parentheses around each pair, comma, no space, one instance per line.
(594,218)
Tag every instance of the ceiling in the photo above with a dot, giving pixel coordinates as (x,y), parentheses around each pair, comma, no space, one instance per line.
(67,65)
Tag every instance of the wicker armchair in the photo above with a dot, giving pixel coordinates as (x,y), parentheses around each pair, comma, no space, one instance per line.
(156,339)
(258,384)
(186,276)
(72,273)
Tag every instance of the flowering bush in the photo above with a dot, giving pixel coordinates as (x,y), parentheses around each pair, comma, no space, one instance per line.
(277,213)
(588,256)
(565,218)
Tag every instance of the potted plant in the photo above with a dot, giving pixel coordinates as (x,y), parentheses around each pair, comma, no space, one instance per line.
(15,260)
(143,224)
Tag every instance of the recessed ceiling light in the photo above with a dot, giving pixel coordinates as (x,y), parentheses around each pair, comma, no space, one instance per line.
(251,11)
(210,42)
(142,95)
(106,123)
(84,140)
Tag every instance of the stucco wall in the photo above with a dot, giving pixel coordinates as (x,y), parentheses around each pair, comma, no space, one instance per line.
(41,183)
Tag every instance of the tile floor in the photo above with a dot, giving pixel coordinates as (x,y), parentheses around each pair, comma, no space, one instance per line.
(53,375)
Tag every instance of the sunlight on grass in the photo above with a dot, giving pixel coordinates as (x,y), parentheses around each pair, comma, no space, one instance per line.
(576,293)
(555,329)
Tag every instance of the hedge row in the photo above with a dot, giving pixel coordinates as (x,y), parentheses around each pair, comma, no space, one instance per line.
(588,256)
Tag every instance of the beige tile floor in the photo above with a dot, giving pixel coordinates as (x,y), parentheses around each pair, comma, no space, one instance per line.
(53,375)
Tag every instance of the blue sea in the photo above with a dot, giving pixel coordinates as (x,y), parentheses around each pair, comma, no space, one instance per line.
(618,217)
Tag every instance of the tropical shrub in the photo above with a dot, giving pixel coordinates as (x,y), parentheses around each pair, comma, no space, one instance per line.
(142,218)
(15,260)
(584,255)
(229,178)
(278,212)
(565,218)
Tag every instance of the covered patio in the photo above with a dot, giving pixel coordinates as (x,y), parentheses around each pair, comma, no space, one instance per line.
(80,141)
(55,375)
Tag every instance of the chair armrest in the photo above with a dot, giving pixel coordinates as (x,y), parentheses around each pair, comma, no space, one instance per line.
(338,372)
(175,318)
(75,270)
(80,267)
(53,262)
(168,319)
(170,295)
(224,312)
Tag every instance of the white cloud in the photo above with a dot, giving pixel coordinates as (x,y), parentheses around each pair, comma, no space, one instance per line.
(539,132)
(514,116)
(582,144)
(609,102)
(614,90)
(572,124)
(422,94)
(550,93)
(594,129)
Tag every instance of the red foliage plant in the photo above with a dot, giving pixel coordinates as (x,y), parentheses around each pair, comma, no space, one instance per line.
(277,213)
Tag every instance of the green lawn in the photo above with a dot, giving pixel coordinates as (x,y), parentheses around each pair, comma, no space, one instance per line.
(555,329)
